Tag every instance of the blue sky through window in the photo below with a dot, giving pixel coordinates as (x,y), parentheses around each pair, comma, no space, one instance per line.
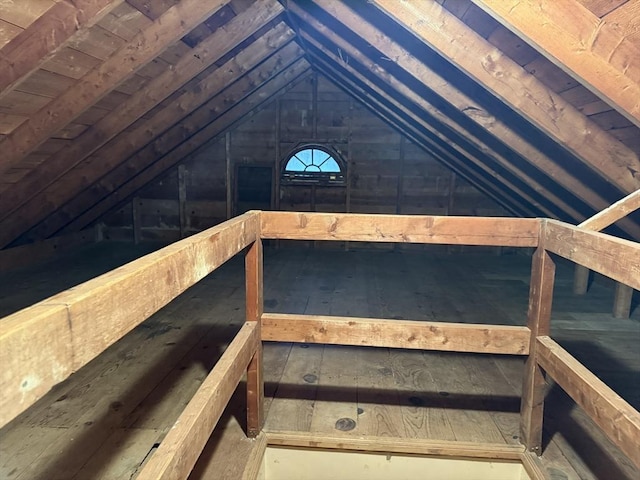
(312,160)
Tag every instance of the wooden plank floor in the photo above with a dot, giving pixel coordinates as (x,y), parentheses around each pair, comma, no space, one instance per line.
(105,421)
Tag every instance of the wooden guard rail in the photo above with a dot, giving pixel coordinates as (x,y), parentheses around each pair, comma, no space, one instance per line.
(43,344)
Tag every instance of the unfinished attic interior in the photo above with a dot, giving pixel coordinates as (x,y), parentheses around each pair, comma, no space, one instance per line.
(259,239)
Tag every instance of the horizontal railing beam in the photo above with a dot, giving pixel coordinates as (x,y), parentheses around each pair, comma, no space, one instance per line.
(450,337)
(43,344)
(617,419)
(611,256)
(507,232)
(180,449)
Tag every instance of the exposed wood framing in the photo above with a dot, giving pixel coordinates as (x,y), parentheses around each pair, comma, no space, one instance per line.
(599,402)
(254,310)
(228,174)
(450,337)
(622,301)
(43,344)
(46,36)
(538,320)
(180,449)
(373,97)
(144,47)
(613,257)
(119,185)
(613,213)
(237,76)
(442,126)
(516,232)
(136,220)
(592,50)
(24,201)
(448,36)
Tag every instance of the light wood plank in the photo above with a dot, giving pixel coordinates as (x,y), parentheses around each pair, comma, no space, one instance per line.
(182,446)
(592,50)
(456,337)
(144,47)
(517,232)
(47,35)
(613,213)
(396,445)
(87,319)
(548,111)
(619,420)
(614,257)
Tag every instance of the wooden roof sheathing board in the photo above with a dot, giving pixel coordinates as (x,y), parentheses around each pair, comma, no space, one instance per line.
(98,97)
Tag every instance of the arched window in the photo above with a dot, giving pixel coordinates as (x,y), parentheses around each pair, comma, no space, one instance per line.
(313,164)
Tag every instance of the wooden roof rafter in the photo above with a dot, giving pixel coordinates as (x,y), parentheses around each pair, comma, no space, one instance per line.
(128,183)
(263,58)
(458,134)
(545,109)
(595,51)
(428,137)
(46,36)
(133,55)
(24,203)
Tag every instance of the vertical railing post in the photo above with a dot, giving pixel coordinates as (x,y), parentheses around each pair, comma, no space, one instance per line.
(254,309)
(538,320)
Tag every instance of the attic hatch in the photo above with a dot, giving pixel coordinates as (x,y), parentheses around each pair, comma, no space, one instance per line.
(313,164)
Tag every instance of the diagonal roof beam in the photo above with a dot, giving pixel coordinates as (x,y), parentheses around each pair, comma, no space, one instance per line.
(414,126)
(592,50)
(243,106)
(46,36)
(257,61)
(446,128)
(209,51)
(448,36)
(143,47)
(372,98)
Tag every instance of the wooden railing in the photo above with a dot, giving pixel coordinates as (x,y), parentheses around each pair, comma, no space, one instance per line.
(43,344)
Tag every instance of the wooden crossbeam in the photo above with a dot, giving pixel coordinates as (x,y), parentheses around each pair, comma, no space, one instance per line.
(448,36)
(205,54)
(163,153)
(142,48)
(372,332)
(613,213)
(515,232)
(454,130)
(119,150)
(46,36)
(613,257)
(180,449)
(617,419)
(43,344)
(592,50)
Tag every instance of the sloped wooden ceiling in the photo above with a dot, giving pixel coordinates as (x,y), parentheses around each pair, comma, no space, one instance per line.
(99,97)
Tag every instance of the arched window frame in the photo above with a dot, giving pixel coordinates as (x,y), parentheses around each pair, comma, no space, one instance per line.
(292,177)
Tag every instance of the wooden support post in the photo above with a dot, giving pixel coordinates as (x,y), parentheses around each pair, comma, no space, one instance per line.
(450,201)
(349,163)
(538,321)
(622,301)
(182,200)
(227,150)
(136,220)
(580,280)
(277,160)
(254,310)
